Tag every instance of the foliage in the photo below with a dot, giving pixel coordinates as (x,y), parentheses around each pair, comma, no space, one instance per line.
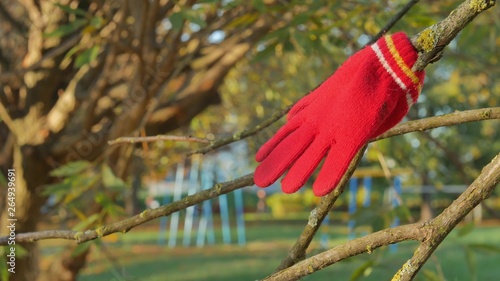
(283,205)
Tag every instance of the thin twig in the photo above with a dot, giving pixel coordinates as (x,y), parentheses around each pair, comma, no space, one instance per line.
(158,138)
(244,134)
(393,21)
(431,233)
(457,117)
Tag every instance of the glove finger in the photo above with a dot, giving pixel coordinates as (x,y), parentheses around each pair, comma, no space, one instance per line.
(303,168)
(336,163)
(300,105)
(281,134)
(283,156)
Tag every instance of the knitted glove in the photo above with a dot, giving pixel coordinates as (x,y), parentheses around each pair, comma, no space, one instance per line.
(369,94)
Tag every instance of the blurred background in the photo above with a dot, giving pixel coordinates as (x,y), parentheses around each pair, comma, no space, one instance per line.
(76,74)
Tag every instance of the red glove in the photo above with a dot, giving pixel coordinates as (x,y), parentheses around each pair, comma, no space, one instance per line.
(369,94)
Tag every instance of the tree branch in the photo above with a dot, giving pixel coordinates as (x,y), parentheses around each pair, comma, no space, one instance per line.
(316,217)
(244,134)
(435,38)
(457,117)
(431,234)
(365,244)
(443,224)
(158,138)
(147,215)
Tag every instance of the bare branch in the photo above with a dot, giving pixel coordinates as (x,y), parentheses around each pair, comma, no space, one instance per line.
(365,244)
(127,224)
(434,39)
(431,233)
(158,138)
(450,119)
(244,134)
(443,224)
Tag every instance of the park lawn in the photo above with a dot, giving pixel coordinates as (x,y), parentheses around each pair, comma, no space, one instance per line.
(137,256)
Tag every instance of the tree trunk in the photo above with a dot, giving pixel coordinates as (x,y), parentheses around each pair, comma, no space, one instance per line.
(426,212)
(67,266)
(31,171)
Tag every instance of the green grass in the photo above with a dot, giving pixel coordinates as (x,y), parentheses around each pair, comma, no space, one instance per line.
(137,255)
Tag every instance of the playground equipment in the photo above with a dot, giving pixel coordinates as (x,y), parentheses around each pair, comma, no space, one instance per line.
(213,169)
(354,188)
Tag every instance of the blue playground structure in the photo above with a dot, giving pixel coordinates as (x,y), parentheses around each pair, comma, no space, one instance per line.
(354,188)
(200,219)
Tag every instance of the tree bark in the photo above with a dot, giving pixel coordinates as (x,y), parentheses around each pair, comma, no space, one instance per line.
(426,212)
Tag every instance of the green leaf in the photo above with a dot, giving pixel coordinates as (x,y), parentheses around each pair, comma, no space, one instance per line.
(97,22)
(244,20)
(195,17)
(81,248)
(259,5)
(83,225)
(265,54)
(69,10)
(111,181)
(363,270)
(280,35)
(431,275)
(177,20)
(87,56)
(403,212)
(70,169)
(67,28)
(108,205)
(3,180)
(57,189)
(4,274)
(21,252)
(300,19)
(73,51)
(466,229)
(78,185)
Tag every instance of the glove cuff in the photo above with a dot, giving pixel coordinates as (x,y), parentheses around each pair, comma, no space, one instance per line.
(397,55)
